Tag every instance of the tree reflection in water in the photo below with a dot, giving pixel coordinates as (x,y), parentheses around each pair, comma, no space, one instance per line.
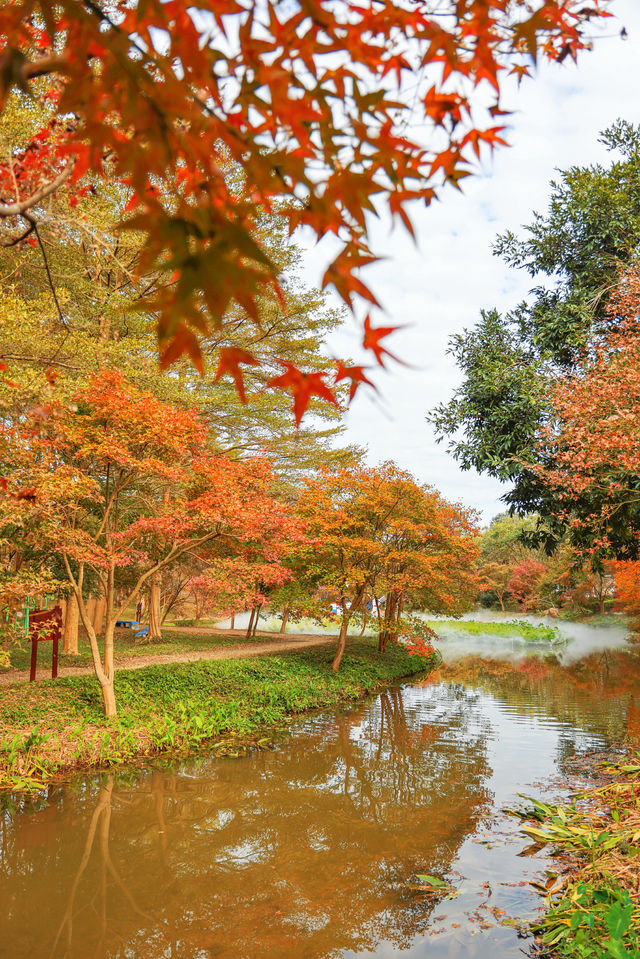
(304,851)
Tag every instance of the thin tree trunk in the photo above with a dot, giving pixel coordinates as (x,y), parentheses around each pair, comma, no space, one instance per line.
(70,635)
(342,642)
(389,613)
(250,626)
(104,670)
(154,608)
(232,624)
(91,607)
(285,619)
(98,616)
(257,619)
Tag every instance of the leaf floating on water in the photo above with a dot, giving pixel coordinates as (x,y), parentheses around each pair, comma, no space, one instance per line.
(532,849)
(433,881)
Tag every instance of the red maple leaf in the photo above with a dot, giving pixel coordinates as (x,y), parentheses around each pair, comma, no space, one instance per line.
(372,337)
(183,340)
(303,386)
(230,359)
(354,373)
(26,494)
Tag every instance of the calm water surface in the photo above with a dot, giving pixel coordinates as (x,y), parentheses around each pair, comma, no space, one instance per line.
(311,849)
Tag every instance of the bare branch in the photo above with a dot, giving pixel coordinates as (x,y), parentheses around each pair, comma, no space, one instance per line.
(21,206)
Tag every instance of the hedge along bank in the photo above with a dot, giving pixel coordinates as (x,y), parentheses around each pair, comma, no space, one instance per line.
(55,727)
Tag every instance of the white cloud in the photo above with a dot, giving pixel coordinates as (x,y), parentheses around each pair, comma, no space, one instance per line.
(439,287)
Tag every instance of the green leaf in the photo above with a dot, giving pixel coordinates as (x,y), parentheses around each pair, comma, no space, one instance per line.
(618,919)
(432,880)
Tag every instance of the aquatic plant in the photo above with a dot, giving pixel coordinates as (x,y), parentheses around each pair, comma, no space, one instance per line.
(593,902)
(512,629)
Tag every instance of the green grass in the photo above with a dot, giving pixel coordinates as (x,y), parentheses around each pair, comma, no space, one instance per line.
(126,647)
(54,726)
(513,629)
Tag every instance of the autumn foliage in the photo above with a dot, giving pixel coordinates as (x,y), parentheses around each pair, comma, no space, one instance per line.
(210,117)
(378,536)
(593,446)
(119,486)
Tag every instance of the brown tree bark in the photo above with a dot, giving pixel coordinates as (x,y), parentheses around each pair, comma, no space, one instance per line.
(257,619)
(250,626)
(155,618)
(342,642)
(70,635)
(285,619)
(98,615)
(91,607)
(347,613)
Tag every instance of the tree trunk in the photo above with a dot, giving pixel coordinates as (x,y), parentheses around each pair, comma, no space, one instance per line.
(154,608)
(109,697)
(285,619)
(250,626)
(389,615)
(257,619)
(342,642)
(232,624)
(91,607)
(98,616)
(70,635)
(197,612)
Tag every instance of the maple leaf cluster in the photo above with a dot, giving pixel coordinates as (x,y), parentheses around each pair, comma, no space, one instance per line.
(314,104)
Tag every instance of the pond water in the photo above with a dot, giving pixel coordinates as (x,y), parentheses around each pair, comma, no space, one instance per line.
(311,848)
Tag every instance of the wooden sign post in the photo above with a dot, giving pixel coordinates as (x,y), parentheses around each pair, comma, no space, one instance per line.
(45,625)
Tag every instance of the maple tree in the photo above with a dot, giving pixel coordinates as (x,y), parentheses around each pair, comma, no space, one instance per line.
(627,578)
(375,531)
(589,456)
(524,583)
(574,251)
(122,486)
(314,105)
(73,302)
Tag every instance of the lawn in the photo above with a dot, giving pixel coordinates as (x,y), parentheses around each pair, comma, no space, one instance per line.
(56,726)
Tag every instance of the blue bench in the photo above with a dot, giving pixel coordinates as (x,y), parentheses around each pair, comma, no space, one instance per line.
(131,624)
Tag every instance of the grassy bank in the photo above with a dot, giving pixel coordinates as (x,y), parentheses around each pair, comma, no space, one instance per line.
(50,728)
(593,902)
(512,629)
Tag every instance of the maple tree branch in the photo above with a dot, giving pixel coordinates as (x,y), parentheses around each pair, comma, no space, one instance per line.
(37,359)
(173,554)
(23,236)
(49,278)
(20,207)
(54,63)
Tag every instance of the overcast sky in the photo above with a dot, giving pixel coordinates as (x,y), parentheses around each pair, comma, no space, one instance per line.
(440,286)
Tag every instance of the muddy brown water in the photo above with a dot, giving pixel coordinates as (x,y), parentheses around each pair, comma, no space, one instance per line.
(311,849)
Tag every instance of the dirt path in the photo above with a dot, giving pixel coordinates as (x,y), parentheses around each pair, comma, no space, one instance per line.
(242,650)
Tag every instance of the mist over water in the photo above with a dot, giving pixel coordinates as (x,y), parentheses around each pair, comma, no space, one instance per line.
(584,639)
